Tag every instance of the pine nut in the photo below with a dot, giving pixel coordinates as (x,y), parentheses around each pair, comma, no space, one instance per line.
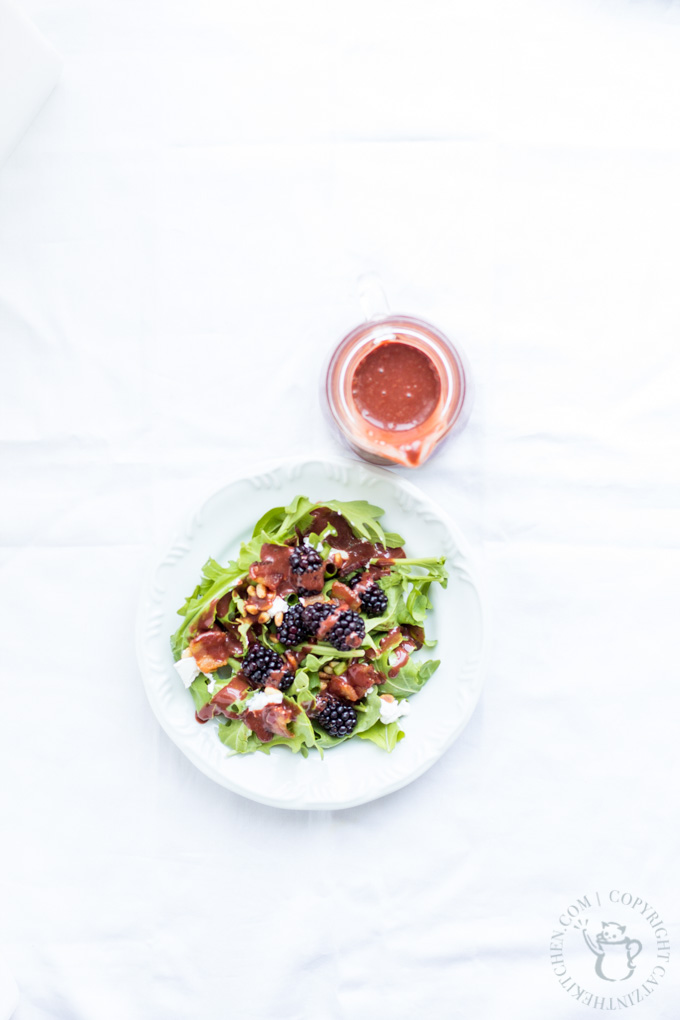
(251,590)
(250,608)
(261,591)
(263,617)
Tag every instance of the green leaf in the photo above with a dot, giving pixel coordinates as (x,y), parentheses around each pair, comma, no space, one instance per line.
(325,740)
(410,679)
(238,737)
(417,605)
(250,551)
(300,683)
(433,570)
(312,663)
(385,736)
(324,651)
(303,729)
(361,516)
(320,541)
(270,521)
(393,540)
(216,583)
(426,669)
(297,515)
(200,693)
(368,713)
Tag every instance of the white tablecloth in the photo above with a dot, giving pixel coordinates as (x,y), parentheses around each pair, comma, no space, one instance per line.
(180,235)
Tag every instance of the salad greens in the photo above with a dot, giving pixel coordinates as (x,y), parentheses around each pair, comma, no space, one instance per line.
(253,633)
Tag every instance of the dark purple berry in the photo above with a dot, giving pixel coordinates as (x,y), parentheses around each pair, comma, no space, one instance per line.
(348,632)
(334,715)
(293,630)
(314,615)
(265,668)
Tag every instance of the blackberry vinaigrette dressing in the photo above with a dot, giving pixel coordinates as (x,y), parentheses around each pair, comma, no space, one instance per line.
(395,389)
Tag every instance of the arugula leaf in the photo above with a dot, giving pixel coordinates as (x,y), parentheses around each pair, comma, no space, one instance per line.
(216,583)
(300,683)
(417,605)
(249,552)
(393,540)
(361,516)
(303,729)
(433,566)
(320,541)
(410,679)
(325,740)
(271,521)
(296,515)
(200,693)
(238,737)
(385,736)
(368,713)
(325,651)
(311,663)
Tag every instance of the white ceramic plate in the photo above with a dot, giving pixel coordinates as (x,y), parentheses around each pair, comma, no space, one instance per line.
(357,771)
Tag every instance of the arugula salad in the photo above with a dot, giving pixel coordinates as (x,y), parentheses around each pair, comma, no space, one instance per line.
(306,639)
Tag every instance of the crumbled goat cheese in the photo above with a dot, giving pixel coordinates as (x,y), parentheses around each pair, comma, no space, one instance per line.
(279,605)
(269,696)
(390,711)
(187,667)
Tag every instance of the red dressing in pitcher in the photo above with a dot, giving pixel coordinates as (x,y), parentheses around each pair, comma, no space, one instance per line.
(396,388)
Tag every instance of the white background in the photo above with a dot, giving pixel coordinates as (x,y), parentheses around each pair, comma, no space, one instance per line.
(180,235)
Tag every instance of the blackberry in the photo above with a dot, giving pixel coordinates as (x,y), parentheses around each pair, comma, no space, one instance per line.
(304,560)
(293,630)
(373,600)
(314,615)
(348,632)
(259,665)
(335,716)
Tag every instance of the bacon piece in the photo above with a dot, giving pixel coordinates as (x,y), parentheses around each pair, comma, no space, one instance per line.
(362,675)
(342,688)
(391,640)
(235,690)
(213,648)
(271,721)
(353,684)
(345,594)
(294,657)
(273,570)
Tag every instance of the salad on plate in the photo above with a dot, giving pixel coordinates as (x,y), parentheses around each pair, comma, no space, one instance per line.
(306,640)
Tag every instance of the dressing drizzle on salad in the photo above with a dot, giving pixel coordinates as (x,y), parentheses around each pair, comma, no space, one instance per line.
(321,613)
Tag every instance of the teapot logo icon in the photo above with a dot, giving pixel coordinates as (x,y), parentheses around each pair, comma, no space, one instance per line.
(615,952)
